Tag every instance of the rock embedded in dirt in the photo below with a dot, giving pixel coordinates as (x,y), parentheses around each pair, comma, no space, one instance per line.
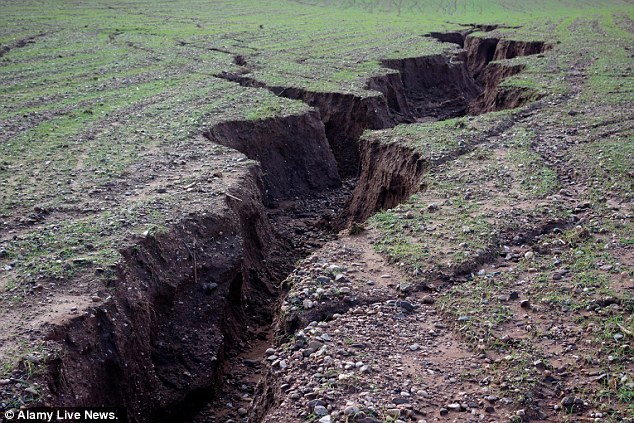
(428,299)
(320,410)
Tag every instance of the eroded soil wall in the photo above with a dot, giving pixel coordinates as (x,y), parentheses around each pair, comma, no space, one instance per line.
(389,175)
(179,304)
(439,85)
(293,152)
(345,117)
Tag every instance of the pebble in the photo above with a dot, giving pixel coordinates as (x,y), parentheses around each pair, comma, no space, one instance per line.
(315,345)
(325,419)
(5,382)
(428,299)
(350,411)
(406,305)
(242,412)
(323,279)
(443,411)
(31,391)
(315,402)
(320,410)
(33,359)
(414,347)
(454,406)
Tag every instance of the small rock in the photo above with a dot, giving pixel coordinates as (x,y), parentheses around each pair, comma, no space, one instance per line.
(514,296)
(414,347)
(242,412)
(406,305)
(350,411)
(567,402)
(31,391)
(432,207)
(529,255)
(5,382)
(399,401)
(33,359)
(323,279)
(95,298)
(315,402)
(443,411)
(325,419)
(320,410)
(428,299)
(525,304)
(454,406)
(315,345)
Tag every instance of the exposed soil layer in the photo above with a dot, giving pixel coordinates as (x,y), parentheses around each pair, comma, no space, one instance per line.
(293,153)
(390,173)
(346,116)
(178,305)
(439,86)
